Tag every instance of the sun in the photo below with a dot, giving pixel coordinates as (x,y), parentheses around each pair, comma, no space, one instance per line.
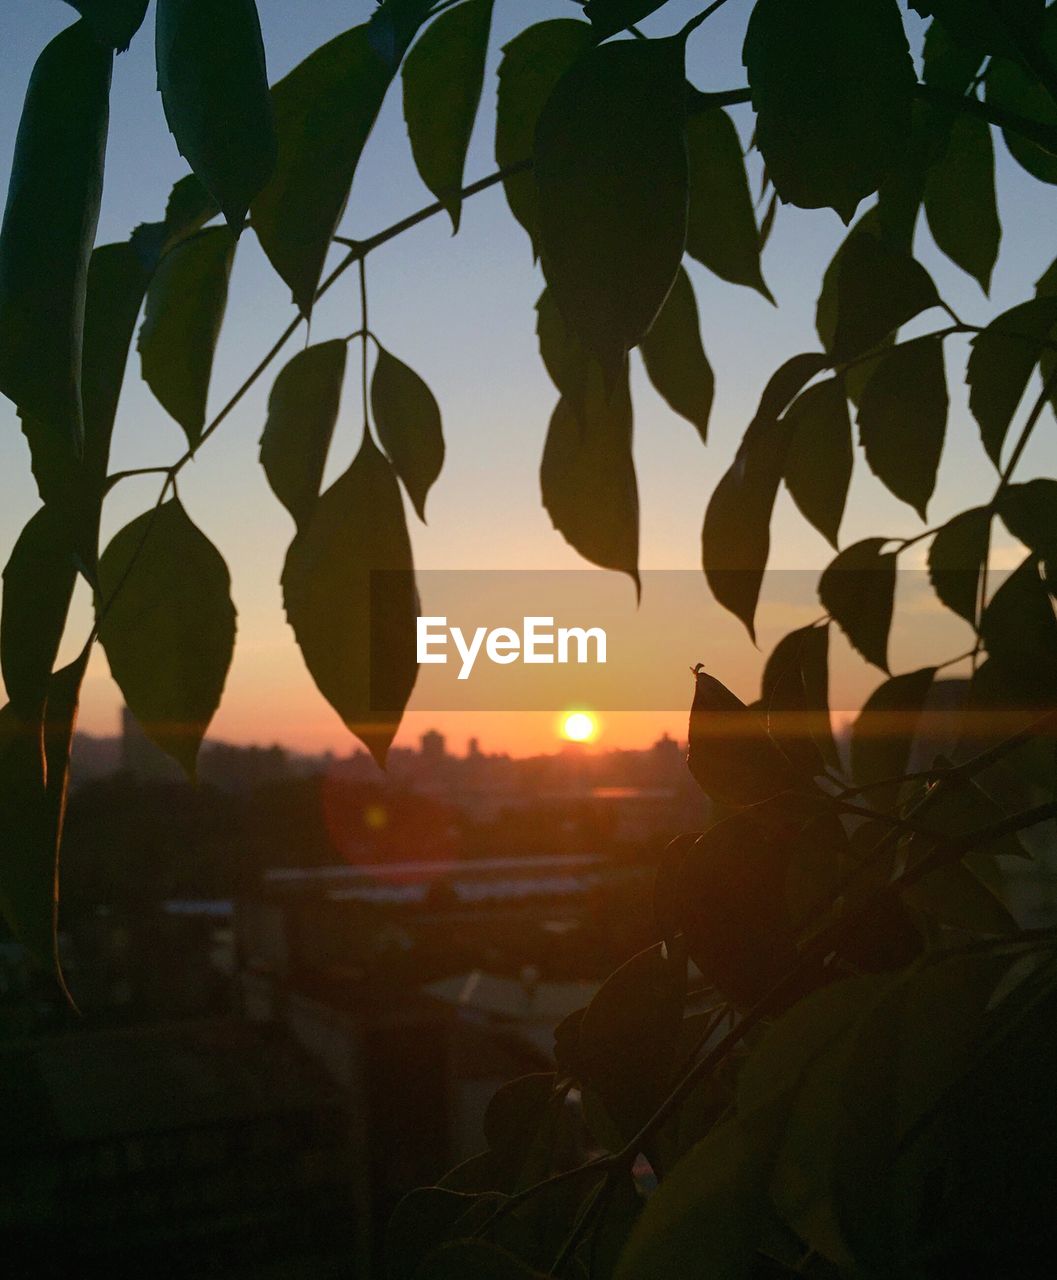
(579,726)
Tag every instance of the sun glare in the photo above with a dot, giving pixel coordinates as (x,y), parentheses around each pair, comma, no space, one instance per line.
(579,726)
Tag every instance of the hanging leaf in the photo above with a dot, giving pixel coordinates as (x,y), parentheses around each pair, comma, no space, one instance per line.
(302,413)
(167,625)
(214,88)
(795,699)
(884,731)
(879,289)
(1011,86)
(955,896)
(1020,634)
(985,25)
(532,64)
(443,75)
(960,199)
(407,418)
(858,590)
(1029,512)
(675,359)
(349,590)
(956,559)
(48,230)
(832,85)
(947,63)
(1001,364)
(903,420)
(721,227)
(611,171)
(114,22)
(818,464)
(565,360)
(186,301)
(38,586)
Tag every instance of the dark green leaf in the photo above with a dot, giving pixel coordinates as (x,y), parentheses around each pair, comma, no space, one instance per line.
(985,26)
(884,730)
(214,88)
(38,585)
(167,624)
(1020,634)
(721,228)
(795,698)
(832,85)
(474,1260)
(818,464)
(610,16)
(959,899)
(565,360)
(533,63)
(1029,512)
(858,591)
(903,419)
(443,75)
(1001,364)
(48,230)
(1012,87)
(407,418)
(185,309)
(302,412)
(611,172)
(879,288)
(956,558)
(675,359)
(188,209)
(960,199)
(948,64)
(349,589)
(114,22)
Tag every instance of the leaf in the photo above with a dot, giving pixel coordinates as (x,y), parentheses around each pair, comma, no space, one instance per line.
(114,22)
(421,1221)
(1011,86)
(818,463)
(1020,634)
(38,586)
(167,625)
(443,75)
(984,25)
(302,413)
(474,1260)
(959,899)
(48,230)
(721,230)
(736,539)
(956,559)
(1001,364)
(407,418)
(1029,512)
(858,590)
(885,728)
(565,360)
(587,478)
(960,199)
(795,698)
(186,301)
(879,289)
(903,420)
(214,89)
(532,64)
(948,64)
(349,590)
(611,173)
(832,85)
(675,359)
(610,16)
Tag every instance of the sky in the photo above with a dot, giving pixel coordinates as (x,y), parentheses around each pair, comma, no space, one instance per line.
(460,311)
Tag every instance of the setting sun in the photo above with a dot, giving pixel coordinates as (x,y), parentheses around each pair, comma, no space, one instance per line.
(579,726)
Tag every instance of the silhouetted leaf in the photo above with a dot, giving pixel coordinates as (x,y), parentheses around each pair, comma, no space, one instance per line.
(214,88)
(610,16)
(167,624)
(858,590)
(38,585)
(984,25)
(48,230)
(588,478)
(407,418)
(532,64)
(114,22)
(442,77)
(721,227)
(832,85)
(611,172)
(1029,512)
(955,896)
(185,308)
(884,730)
(349,590)
(948,64)
(956,559)
(1020,634)
(474,1260)
(675,359)
(1001,364)
(302,412)
(565,360)
(879,288)
(1012,87)
(960,199)
(903,419)
(795,698)
(818,464)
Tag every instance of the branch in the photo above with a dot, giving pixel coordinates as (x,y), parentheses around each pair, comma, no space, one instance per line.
(1042,135)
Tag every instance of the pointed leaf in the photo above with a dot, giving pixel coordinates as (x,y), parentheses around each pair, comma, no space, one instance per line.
(407,418)
(818,465)
(795,698)
(532,64)
(1012,87)
(349,591)
(1020,634)
(960,199)
(302,413)
(858,591)
(884,730)
(1029,512)
(956,559)
(948,64)
(879,289)
(167,624)
(984,25)
(611,170)
(565,360)
(730,755)
(186,301)
(48,230)
(903,420)
(959,899)
(214,88)
(832,85)
(442,76)
(114,22)
(675,359)
(721,227)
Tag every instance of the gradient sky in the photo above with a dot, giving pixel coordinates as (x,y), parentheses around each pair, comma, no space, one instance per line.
(460,311)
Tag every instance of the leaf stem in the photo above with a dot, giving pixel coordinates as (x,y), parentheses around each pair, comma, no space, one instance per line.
(364,329)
